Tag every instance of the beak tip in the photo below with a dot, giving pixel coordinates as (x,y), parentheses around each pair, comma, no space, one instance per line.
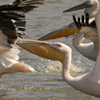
(65,11)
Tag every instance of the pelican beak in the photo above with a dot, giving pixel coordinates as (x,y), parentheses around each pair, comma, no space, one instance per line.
(42,49)
(62,32)
(78,7)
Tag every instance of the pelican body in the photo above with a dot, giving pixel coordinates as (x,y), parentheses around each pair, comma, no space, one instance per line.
(88,83)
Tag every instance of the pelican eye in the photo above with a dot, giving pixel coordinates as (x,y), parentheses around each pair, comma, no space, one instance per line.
(59,45)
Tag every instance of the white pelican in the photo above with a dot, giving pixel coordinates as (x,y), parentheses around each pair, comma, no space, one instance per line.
(89,82)
(86,31)
(88,50)
(12,27)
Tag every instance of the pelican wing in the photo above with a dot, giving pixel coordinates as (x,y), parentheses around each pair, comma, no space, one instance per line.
(16,12)
(8,29)
(12,26)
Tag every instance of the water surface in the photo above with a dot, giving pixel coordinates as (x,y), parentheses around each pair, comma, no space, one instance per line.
(47,83)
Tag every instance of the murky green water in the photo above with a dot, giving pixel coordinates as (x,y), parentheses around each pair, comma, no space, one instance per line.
(47,83)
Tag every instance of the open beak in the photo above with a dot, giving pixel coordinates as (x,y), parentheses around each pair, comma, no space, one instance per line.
(62,32)
(42,49)
(78,7)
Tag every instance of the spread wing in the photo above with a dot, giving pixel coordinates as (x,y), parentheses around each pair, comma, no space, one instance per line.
(12,18)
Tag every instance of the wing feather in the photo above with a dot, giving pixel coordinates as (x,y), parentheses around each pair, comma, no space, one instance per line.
(12,18)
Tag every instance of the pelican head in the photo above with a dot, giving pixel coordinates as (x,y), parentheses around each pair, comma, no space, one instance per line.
(90,7)
(61,47)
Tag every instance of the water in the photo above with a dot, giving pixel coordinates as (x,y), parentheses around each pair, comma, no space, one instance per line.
(47,83)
